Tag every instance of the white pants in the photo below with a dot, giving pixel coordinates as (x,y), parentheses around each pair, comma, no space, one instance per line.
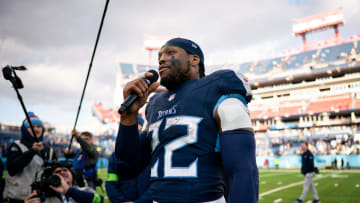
(308,183)
(221,200)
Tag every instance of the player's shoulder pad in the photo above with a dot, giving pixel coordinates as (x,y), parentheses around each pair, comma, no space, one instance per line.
(155,97)
(233,114)
(153,100)
(229,82)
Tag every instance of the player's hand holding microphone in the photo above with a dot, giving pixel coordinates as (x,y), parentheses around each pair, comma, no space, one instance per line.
(135,94)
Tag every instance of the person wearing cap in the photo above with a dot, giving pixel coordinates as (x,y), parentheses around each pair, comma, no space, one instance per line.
(199,131)
(25,160)
(68,190)
(85,160)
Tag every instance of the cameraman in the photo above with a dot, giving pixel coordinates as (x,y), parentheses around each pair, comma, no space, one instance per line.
(25,160)
(67,191)
(85,161)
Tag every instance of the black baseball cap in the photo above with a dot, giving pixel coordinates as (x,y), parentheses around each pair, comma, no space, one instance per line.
(189,46)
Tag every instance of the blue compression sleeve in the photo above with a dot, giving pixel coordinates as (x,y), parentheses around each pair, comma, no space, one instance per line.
(84,196)
(127,144)
(113,190)
(132,151)
(239,160)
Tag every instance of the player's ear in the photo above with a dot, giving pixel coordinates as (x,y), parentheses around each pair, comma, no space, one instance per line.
(194,60)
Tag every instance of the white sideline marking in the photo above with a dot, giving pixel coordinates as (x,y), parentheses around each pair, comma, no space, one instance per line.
(288,186)
(277,200)
(339,176)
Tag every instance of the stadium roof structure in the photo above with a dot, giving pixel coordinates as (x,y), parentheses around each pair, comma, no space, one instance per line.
(329,19)
(319,21)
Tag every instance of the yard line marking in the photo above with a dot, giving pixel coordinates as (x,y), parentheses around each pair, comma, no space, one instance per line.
(339,176)
(280,170)
(297,170)
(277,200)
(273,174)
(288,186)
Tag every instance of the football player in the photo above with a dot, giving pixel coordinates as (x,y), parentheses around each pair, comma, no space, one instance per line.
(199,131)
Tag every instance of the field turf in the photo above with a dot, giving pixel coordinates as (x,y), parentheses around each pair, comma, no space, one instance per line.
(285,185)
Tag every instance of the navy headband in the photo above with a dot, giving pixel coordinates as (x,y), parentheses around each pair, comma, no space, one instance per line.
(188,45)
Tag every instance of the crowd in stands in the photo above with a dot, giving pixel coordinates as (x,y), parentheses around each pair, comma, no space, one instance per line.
(322,141)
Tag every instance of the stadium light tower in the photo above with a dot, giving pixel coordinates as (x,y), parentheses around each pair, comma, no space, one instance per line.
(153,43)
(329,19)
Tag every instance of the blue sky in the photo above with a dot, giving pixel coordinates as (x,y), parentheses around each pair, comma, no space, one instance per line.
(54,40)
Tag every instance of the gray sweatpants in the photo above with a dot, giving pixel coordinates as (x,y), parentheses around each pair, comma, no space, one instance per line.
(308,183)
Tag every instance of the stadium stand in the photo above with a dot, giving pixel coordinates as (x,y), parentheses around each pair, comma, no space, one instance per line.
(262,67)
(335,53)
(126,69)
(103,114)
(298,60)
(244,68)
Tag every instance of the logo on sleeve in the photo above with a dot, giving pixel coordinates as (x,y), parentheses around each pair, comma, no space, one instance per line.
(172,97)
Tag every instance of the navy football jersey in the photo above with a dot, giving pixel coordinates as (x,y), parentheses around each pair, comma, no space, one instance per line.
(183,135)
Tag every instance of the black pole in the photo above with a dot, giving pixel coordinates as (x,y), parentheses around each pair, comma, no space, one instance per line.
(88,74)
(27,115)
(16,82)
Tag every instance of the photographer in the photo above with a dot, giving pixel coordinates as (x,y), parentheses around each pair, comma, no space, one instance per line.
(66,191)
(85,161)
(25,160)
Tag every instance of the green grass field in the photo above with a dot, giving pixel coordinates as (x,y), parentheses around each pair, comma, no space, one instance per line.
(285,185)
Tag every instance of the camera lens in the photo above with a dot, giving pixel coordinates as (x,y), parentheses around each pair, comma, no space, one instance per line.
(54,180)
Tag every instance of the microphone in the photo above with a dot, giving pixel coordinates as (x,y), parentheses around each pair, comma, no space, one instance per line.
(132,97)
(7,73)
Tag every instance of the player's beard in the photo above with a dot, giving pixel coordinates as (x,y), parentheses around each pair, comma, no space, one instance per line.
(176,77)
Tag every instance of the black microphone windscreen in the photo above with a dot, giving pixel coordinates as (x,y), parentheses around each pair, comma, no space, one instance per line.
(7,72)
(154,77)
